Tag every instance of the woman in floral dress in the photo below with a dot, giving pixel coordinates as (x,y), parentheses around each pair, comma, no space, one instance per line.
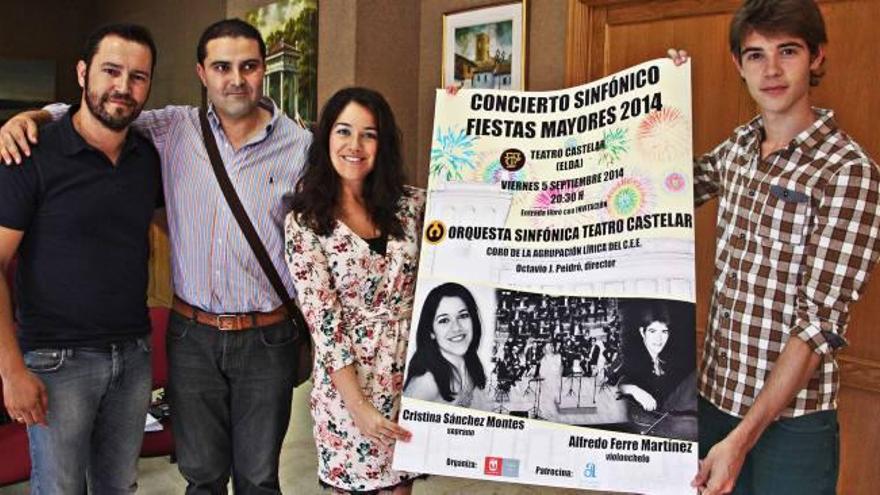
(352,248)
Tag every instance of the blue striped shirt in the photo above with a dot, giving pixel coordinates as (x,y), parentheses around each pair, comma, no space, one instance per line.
(212,265)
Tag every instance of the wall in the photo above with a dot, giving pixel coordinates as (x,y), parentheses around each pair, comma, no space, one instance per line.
(64,26)
(392,46)
(609,35)
(176,26)
(368,43)
(388,61)
(60,25)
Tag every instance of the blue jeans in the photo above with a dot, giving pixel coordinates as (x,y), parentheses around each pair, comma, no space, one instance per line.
(794,456)
(230,395)
(98,400)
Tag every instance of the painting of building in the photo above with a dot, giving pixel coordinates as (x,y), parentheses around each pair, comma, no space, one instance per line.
(483,55)
(290,29)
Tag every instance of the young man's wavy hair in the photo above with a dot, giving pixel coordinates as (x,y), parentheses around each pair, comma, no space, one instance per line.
(799,18)
(318,189)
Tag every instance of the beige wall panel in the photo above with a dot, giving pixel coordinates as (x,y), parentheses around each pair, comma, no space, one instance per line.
(850,85)
(387,60)
(337,55)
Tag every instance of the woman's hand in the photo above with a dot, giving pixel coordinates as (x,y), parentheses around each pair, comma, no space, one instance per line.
(367,418)
(452,89)
(375,426)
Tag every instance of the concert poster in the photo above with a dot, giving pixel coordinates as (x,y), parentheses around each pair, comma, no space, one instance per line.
(552,338)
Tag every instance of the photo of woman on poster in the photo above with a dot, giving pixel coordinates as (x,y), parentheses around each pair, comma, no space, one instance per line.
(445,366)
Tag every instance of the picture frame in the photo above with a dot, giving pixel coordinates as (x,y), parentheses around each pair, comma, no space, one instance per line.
(290,31)
(485,47)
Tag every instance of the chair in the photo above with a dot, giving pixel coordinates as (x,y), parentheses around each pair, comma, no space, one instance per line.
(16,465)
(159,443)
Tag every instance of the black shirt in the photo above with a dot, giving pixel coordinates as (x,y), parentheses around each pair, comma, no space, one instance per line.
(82,276)
(378,245)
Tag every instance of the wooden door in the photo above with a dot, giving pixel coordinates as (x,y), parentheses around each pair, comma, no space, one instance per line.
(605,36)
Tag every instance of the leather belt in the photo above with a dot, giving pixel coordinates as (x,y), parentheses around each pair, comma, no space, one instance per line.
(228,322)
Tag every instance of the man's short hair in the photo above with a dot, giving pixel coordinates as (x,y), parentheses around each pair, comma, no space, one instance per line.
(800,18)
(130,32)
(229,28)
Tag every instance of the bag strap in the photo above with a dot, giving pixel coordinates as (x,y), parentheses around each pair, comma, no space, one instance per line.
(247,227)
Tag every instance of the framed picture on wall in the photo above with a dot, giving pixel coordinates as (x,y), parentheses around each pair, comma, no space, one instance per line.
(485,47)
(290,29)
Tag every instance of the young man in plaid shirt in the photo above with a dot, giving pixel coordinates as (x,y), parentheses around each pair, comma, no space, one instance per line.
(798,231)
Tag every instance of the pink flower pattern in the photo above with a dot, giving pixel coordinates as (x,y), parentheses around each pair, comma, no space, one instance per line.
(358,305)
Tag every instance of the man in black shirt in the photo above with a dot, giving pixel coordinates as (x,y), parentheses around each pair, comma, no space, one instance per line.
(77,215)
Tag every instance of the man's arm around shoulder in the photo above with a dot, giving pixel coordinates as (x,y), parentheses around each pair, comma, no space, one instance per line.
(19,133)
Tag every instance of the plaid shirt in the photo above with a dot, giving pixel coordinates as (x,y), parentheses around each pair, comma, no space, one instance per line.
(798,233)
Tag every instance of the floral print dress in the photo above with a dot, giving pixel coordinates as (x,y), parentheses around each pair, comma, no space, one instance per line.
(358,305)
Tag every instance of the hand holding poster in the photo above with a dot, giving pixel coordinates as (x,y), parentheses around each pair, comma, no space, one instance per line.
(552,340)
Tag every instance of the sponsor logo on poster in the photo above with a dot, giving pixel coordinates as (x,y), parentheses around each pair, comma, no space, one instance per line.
(435,232)
(510,468)
(498,466)
(493,466)
(512,159)
(590,471)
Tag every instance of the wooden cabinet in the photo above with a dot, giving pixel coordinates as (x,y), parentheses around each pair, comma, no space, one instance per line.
(604,36)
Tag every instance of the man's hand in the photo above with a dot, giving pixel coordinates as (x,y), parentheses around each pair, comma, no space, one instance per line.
(16,137)
(678,56)
(647,401)
(720,469)
(25,398)
(640,395)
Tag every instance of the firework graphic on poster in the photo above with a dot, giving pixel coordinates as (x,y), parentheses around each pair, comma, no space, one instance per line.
(452,153)
(628,197)
(616,145)
(675,182)
(664,135)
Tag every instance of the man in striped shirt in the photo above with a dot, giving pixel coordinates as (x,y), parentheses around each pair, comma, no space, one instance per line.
(230,343)
(798,232)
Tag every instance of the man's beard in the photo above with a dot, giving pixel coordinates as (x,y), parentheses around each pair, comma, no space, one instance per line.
(113,122)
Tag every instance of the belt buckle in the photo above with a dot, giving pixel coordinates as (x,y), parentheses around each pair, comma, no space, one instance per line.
(227,322)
